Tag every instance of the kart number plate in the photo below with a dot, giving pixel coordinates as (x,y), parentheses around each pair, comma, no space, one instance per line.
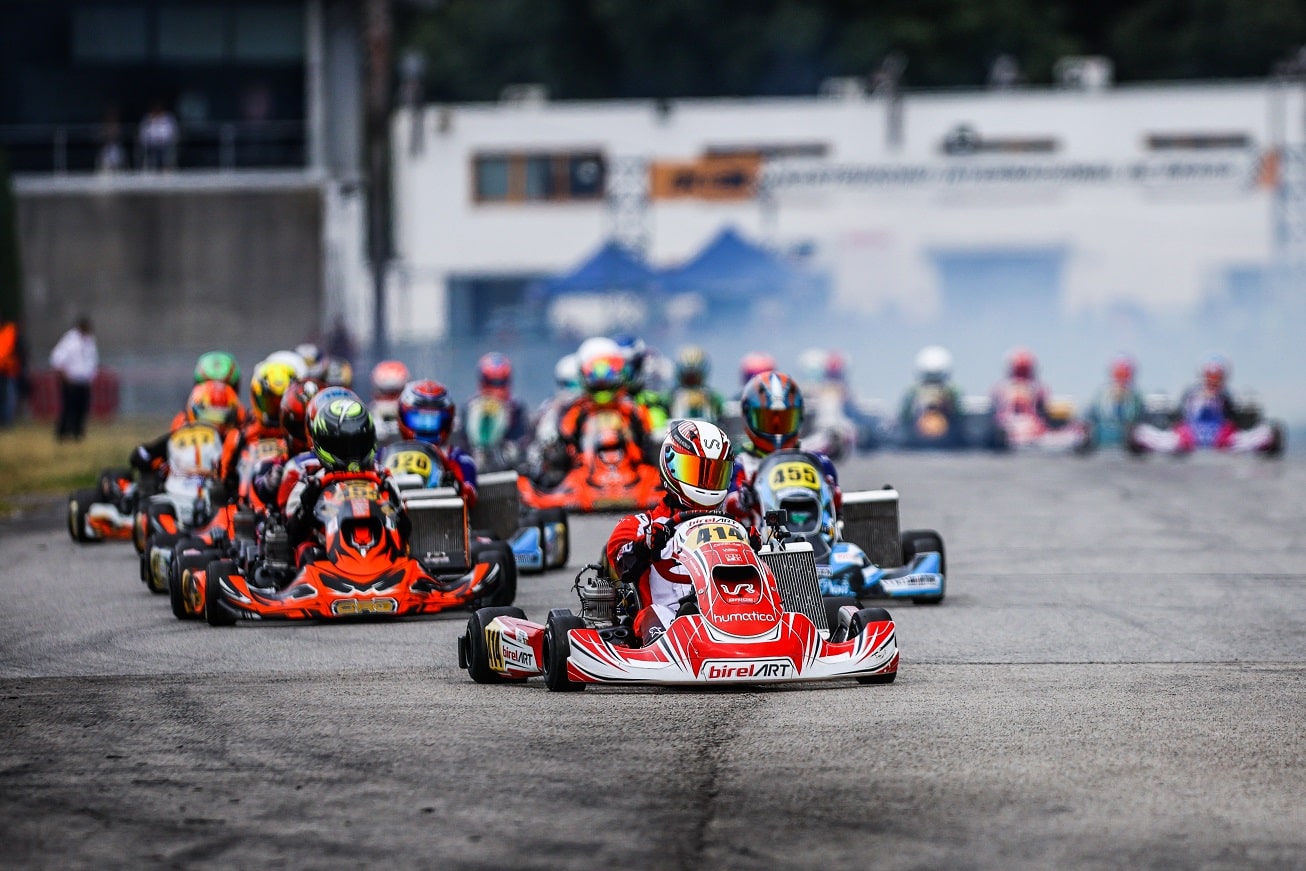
(354,607)
(194,436)
(409,462)
(707,533)
(358,490)
(794,475)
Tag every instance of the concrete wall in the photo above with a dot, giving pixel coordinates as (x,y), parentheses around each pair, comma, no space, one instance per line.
(172,268)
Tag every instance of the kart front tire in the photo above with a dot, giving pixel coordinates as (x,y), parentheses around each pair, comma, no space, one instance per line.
(860,621)
(477,646)
(214,613)
(557,648)
(833,604)
(500,553)
(176,577)
(917,541)
(78,504)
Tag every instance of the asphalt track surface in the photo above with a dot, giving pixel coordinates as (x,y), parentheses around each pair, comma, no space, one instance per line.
(1116,680)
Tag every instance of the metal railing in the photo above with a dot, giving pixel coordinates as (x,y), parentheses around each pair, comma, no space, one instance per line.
(78,148)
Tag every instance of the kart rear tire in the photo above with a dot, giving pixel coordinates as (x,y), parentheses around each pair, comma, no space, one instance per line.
(478,651)
(78,504)
(214,613)
(161,541)
(557,648)
(180,565)
(860,621)
(916,541)
(499,553)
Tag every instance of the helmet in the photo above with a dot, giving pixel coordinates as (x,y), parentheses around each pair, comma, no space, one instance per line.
(634,350)
(388,379)
(267,384)
(342,433)
(314,363)
(1022,364)
(294,413)
(695,463)
(597,345)
(213,402)
(291,359)
(1215,371)
(603,375)
(338,372)
(692,366)
(934,364)
(772,406)
(566,373)
(494,373)
(218,366)
(754,363)
(836,366)
(1122,370)
(426,412)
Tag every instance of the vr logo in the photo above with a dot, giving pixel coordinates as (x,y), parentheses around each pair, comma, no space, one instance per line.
(743,589)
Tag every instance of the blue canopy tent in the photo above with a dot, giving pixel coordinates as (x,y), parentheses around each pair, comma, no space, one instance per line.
(732,270)
(613,268)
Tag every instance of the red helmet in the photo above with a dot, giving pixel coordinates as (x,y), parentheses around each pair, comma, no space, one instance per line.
(772,407)
(388,379)
(294,413)
(1215,371)
(1021,364)
(754,363)
(695,463)
(1122,371)
(836,366)
(213,402)
(494,371)
(426,412)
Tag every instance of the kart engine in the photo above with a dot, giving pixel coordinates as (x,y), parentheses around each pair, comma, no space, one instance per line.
(598,598)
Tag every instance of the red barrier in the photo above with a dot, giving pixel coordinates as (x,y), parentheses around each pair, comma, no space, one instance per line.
(43,402)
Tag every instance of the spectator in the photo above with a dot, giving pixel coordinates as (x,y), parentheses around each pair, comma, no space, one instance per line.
(340,341)
(75,360)
(112,156)
(10,370)
(158,139)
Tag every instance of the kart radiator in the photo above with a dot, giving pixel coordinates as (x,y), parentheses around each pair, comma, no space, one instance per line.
(795,573)
(497,504)
(439,529)
(870,521)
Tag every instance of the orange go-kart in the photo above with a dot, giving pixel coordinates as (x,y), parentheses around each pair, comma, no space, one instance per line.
(107,511)
(609,474)
(361,569)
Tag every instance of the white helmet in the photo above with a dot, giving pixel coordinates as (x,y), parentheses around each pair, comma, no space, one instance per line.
(566,372)
(696,464)
(934,363)
(599,346)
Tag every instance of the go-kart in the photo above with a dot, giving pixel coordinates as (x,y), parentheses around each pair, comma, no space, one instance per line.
(753,617)
(1204,426)
(1056,431)
(107,511)
(539,539)
(608,473)
(863,555)
(361,569)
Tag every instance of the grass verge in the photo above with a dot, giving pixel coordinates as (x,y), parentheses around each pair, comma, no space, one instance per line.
(33,464)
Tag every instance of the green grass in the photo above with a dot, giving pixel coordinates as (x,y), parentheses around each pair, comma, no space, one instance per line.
(33,464)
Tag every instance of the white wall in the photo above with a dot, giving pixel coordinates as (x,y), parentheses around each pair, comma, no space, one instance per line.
(1158,245)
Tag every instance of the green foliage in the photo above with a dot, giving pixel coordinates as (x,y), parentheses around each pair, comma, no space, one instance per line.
(588,49)
(11,274)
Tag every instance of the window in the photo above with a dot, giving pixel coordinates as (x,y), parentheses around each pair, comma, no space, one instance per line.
(192,34)
(110,34)
(538,177)
(1197,141)
(269,34)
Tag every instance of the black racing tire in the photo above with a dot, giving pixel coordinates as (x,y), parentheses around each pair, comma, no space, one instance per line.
(916,541)
(557,648)
(107,483)
(860,621)
(832,606)
(176,578)
(160,541)
(214,613)
(499,553)
(140,531)
(79,501)
(478,651)
(556,515)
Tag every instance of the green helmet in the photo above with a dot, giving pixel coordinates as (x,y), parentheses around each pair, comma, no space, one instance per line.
(218,366)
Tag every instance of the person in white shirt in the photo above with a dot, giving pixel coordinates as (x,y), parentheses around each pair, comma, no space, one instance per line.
(75,359)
